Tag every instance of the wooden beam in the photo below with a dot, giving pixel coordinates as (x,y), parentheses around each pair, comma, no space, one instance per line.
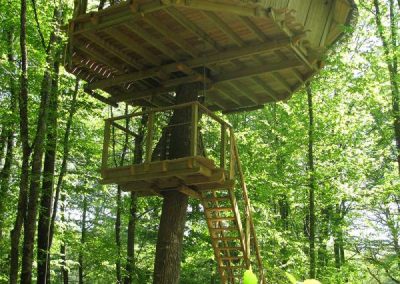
(139,95)
(115,51)
(98,57)
(252,71)
(212,58)
(225,28)
(274,95)
(181,19)
(188,191)
(120,127)
(108,101)
(131,44)
(112,17)
(186,47)
(135,28)
(223,7)
(282,82)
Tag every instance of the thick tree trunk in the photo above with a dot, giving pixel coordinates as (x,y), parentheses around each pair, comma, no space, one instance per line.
(26,151)
(43,264)
(174,209)
(311,170)
(83,240)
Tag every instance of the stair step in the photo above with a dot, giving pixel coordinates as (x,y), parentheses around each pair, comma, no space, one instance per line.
(226,238)
(216,199)
(233,267)
(232,258)
(229,248)
(225,229)
(221,219)
(219,209)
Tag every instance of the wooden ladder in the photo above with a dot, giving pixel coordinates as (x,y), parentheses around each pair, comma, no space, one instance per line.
(231,240)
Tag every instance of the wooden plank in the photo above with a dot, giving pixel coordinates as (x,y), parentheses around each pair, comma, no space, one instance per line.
(153,21)
(188,191)
(222,155)
(225,28)
(126,130)
(149,138)
(252,71)
(115,51)
(194,130)
(106,144)
(135,28)
(213,209)
(134,46)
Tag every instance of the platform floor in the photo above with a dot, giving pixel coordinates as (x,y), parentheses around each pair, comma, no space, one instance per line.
(190,175)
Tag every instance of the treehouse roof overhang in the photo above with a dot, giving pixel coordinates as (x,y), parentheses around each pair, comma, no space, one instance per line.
(244,53)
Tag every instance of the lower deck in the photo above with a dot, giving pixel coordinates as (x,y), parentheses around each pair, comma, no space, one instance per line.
(189,175)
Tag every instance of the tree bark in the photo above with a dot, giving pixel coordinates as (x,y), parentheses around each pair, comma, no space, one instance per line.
(26,150)
(9,132)
(43,264)
(83,240)
(63,247)
(63,168)
(311,171)
(174,209)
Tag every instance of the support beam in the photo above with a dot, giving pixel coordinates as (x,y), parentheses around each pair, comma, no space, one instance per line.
(212,58)
(252,71)
(133,45)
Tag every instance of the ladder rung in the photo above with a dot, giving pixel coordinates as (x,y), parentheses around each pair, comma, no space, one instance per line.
(220,209)
(231,258)
(224,229)
(232,267)
(216,199)
(222,219)
(230,248)
(227,238)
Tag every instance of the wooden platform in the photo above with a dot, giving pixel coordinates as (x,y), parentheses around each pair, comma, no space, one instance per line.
(246,53)
(189,175)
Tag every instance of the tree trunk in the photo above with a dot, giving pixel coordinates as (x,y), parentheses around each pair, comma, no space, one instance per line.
(43,264)
(63,169)
(26,151)
(63,248)
(311,182)
(174,209)
(118,235)
(83,240)
(9,133)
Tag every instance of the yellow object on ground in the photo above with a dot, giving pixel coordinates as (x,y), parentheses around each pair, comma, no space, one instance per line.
(250,278)
(311,281)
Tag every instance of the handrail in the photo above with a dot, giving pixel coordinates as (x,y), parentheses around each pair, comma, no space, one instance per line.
(249,217)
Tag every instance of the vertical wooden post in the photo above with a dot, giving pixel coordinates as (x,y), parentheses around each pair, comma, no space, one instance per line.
(106,143)
(149,138)
(194,134)
(232,154)
(222,156)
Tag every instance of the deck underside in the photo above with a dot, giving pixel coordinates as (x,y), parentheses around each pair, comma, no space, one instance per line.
(243,54)
(189,175)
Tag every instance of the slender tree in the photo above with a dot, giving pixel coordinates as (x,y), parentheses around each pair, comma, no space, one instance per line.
(311,170)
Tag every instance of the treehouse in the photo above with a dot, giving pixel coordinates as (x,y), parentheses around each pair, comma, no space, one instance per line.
(242,54)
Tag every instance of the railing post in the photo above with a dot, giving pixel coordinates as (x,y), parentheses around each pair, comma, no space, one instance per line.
(149,138)
(106,143)
(222,156)
(194,134)
(232,154)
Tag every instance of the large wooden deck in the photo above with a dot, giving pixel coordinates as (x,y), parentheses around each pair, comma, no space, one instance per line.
(246,53)
(189,175)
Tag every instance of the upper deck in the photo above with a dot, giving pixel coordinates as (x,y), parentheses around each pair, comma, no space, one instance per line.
(245,53)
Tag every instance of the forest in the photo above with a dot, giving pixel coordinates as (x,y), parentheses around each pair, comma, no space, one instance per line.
(322,168)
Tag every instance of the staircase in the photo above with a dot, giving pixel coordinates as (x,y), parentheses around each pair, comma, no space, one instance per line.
(231,240)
